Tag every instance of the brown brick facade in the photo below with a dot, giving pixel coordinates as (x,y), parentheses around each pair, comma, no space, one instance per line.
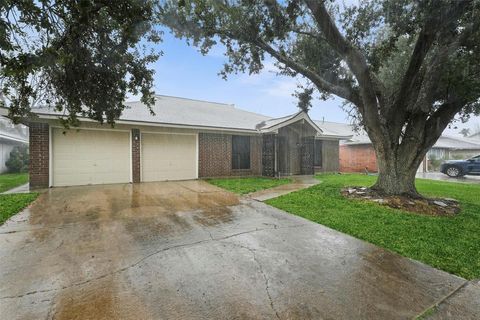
(136,155)
(357,158)
(215,156)
(39,155)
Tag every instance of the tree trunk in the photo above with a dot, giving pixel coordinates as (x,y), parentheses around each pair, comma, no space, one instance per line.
(396,173)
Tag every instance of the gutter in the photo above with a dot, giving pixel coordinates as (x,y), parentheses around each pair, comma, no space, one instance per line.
(12,138)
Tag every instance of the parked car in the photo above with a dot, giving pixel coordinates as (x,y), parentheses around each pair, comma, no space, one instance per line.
(459,168)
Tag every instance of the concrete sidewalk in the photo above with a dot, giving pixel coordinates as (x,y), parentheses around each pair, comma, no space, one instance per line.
(462,304)
(298,183)
(24,188)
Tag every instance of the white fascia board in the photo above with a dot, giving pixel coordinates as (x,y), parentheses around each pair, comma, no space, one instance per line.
(299,116)
(158,124)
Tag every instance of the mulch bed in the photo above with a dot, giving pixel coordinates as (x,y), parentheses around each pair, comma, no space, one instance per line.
(434,207)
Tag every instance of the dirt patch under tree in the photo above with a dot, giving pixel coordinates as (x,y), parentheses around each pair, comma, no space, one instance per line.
(434,207)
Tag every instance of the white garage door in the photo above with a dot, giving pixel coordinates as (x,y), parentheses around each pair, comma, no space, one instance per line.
(82,157)
(169,157)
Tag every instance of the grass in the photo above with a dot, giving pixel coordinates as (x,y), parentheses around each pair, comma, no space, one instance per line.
(248,185)
(448,243)
(11,204)
(12,180)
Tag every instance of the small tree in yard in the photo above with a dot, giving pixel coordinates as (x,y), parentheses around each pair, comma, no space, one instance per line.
(18,160)
(406,68)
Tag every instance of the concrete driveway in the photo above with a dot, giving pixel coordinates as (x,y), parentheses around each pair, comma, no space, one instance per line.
(443,177)
(188,250)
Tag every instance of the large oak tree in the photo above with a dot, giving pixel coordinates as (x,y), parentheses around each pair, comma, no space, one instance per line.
(78,56)
(406,67)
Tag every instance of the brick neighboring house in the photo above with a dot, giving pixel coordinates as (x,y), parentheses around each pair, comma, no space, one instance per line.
(356,154)
(185,139)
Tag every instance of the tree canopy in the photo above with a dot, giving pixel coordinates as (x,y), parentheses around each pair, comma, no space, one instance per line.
(81,57)
(406,68)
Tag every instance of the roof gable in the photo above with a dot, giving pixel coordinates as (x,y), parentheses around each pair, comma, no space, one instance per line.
(272,125)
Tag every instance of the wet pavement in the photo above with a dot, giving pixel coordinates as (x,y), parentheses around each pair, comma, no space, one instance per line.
(298,183)
(462,304)
(24,188)
(443,177)
(189,250)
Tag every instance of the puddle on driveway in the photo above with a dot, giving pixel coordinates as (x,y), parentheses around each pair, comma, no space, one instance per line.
(62,206)
(100,300)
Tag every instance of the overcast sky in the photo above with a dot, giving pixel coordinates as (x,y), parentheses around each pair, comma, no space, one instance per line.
(184,72)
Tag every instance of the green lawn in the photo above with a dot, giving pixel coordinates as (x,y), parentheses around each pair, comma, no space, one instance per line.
(12,180)
(11,204)
(448,243)
(247,185)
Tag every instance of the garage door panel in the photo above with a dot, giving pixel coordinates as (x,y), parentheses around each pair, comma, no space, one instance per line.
(82,157)
(169,157)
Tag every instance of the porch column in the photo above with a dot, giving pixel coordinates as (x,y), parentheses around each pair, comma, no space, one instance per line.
(268,155)
(39,136)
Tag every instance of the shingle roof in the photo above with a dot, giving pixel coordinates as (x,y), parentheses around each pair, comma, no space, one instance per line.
(182,111)
(344,129)
(454,143)
(444,142)
(197,113)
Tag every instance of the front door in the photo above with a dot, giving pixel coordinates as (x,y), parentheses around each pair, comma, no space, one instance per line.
(282,156)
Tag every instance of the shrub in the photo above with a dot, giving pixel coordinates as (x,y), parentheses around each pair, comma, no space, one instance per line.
(434,163)
(19,159)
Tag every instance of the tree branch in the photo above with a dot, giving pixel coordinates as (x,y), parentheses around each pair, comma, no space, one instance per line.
(321,83)
(354,59)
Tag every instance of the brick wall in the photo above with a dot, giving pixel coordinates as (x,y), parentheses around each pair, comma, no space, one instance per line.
(215,156)
(136,155)
(357,158)
(39,155)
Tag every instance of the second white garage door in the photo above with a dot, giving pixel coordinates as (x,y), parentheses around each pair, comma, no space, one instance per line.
(169,157)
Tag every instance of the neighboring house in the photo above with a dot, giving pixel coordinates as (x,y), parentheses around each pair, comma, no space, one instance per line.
(10,136)
(448,147)
(475,136)
(357,153)
(185,139)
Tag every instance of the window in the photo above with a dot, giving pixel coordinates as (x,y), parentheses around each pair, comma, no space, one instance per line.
(317,160)
(240,152)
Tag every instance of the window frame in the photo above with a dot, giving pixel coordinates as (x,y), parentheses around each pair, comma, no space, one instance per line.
(318,148)
(237,162)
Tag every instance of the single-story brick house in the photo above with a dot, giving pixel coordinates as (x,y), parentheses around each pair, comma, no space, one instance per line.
(356,154)
(185,139)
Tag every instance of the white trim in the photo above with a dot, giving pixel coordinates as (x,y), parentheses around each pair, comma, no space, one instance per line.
(140,149)
(158,124)
(50,157)
(131,157)
(198,159)
(12,138)
(174,133)
(82,128)
(295,118)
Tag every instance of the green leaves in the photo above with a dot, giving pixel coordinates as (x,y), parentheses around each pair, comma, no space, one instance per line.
(81,57)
